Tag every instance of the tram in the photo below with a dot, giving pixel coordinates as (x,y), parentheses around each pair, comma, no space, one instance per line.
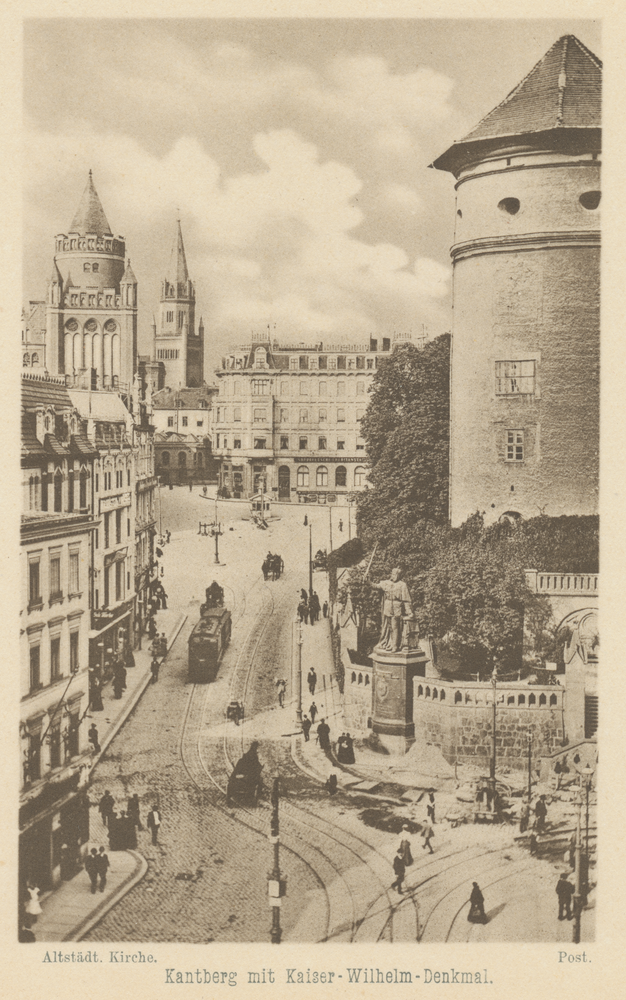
(207,644)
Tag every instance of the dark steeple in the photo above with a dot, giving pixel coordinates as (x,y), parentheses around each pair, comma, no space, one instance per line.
(178,273)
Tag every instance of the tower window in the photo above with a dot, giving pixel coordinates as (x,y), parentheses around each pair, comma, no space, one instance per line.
(169,316)
(95,267)
(509,205)
(590,200)
(515,446)
(515,378)
(86,266)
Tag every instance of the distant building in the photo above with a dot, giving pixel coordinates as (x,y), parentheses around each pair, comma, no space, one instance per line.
(178,348)
(525,359)
(91,329)
(183,450)
(286,420)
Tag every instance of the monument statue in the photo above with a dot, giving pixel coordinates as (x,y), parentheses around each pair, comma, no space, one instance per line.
(396,612)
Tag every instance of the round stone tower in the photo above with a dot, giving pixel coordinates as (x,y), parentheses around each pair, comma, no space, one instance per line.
(526,253)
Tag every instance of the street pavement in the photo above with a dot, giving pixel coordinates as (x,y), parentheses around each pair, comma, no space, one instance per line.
(206,879)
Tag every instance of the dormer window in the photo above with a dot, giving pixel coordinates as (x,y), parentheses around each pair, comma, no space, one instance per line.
(260,358)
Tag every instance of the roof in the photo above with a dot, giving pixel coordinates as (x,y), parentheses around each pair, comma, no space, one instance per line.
(129,275)
(562,94)
(44,392)
(99,405)
(90,217)
(190,399)
(178,272)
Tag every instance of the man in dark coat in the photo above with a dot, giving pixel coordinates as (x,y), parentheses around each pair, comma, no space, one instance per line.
(400,871)
(154,669)
(154,822)
(105,806)
(313,712)
(564,891)
(306,728)
(93,737)
(102,867)
(541,811)
(91,867)
(323,735)
(311,680)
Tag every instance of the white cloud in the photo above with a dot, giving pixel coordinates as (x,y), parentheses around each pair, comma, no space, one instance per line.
(403,197)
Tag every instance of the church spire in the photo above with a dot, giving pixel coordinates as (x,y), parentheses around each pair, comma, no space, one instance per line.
(90,217)
(178,273)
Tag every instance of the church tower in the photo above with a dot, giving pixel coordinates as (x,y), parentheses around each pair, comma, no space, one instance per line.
(91,321)
(176,343)
(526,253)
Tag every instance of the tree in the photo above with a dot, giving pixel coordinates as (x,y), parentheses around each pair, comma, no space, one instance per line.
(406,431)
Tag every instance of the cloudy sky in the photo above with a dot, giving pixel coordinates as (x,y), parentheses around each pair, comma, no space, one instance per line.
(296,153)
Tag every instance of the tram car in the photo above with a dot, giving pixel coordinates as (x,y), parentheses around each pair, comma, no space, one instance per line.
(207,644)
(244,784)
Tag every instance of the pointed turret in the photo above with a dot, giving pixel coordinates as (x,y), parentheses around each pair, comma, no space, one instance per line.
(559,100)
(129,275)
(178,273)
(90,217)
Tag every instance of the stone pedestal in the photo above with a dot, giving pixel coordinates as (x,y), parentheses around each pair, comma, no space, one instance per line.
(392,696)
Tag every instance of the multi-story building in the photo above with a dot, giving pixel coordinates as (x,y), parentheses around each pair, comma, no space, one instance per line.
(34,336)
(182,441)
(177,346)
(287,419)
(146,485)
(57,532)
(525,363)
(91,330)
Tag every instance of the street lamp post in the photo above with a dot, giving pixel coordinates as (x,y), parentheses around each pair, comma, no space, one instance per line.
(216,531)
(492,762)
(297,668)
(310,559)
(276,884)
(330,525)
(577,893)
(530,778)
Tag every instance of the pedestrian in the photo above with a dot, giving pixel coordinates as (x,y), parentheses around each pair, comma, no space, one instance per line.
(304,596)
(349,749)
(314,605)
(524,816)
(154,822)
(311,680)
(163,597)
(102,867)
(564,890)
(313,712)
(265,568)
(331,784)
(541,811)
(430,808)
(190,485)
(325,609)
(105,806)
(399,870)
(163,645)
(33,906)
(306,520)
(340,524)
(306,728)
(128,832)
(117,686)
(476,913)
(323,735)
(152,631)
(281,685)
(95,695)
(133,811)
(532,843)
(404,850)
(427,834)
(91,867)
(154,669)
(169,535)
(92,735)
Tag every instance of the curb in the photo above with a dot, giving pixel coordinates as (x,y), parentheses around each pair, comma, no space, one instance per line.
(141,867)
(136,695)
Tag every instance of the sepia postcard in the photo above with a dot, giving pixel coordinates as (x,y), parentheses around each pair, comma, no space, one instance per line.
(303,585)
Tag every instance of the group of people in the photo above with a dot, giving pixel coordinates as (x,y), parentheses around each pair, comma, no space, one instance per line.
(123,827)
(309,607)
(540,812)
(345,749)
(272,566)
(97,865)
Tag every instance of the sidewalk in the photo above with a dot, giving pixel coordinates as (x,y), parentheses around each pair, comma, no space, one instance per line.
(70,910)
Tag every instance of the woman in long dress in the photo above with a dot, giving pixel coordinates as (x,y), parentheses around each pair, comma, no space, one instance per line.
(33,906)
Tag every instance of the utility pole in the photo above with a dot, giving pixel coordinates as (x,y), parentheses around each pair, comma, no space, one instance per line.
(275,884)
(492,762)
(297,668)
(216,531)
(330,525)
(310,559)
(577,893)
(530,780)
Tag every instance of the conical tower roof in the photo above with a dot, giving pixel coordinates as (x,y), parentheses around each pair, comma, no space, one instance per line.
(178,273)
(562,93)
(56,274)
(90,217)
(129,275)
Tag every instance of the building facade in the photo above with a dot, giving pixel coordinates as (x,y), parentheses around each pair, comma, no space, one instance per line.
(183,447)
(286,420)
(34,336)
(177,345)
(91,323)
(526,253)
(57,531)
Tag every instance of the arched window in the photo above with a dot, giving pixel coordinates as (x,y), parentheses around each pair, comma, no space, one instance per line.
(35,359)
(86,266)
(428,692)
(303,475)
(95,267)
(165,458)
(542,699)
(321,476)
(182,459)
(532,700)
(457,697)
(341,476)
(367,680)
(26,360)
(511,699)
(420,691)
(435,693)
(360,678)
(552,699)
(442,695)
(521,699)
(359,476)
(58,491)
(353,677)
